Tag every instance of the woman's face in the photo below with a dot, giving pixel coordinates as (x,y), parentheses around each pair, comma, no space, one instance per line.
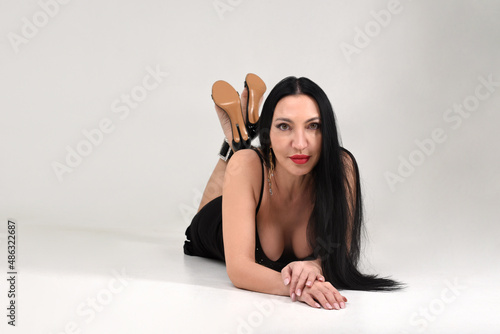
(296,134)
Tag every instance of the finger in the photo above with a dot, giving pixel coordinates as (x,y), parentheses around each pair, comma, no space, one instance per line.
(333,295)
(302,282)
(324,297)
(330,287)
(311,278)
(285,274)
(339,299)
(309,300)
(338,296)
(295,278)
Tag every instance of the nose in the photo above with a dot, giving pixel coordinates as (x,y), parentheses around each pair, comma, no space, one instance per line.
(299,141)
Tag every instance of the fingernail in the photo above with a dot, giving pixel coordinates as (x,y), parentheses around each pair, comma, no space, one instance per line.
(317,305)
(342,305)
(309,283)
(299,292)
(329,306)
(293,296)
(286,281)
(337,307)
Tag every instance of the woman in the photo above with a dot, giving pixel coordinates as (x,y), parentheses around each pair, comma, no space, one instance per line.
(290,211)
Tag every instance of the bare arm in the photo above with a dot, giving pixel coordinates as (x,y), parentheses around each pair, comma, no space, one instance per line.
(241,191)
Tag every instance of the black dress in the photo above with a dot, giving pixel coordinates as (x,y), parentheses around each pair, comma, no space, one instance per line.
(204,235)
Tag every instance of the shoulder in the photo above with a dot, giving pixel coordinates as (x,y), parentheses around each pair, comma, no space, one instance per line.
(247,153)
(244,171)
(245,161)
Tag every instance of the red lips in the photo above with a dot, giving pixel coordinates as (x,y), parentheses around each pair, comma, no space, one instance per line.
(300,159)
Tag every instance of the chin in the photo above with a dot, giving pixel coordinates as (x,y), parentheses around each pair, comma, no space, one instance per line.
(300,170)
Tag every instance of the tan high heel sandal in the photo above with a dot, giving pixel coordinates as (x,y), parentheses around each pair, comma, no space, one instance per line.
(256,89)
(228,99)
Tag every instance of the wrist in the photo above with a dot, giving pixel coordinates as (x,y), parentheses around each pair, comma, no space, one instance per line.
(317,264)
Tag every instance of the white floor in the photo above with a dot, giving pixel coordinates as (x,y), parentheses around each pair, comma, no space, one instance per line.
(78,281)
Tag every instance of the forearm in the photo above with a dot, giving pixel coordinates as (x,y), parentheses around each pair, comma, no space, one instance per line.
(255,277)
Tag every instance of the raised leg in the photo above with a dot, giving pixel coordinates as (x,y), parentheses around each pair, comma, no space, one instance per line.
(213,189)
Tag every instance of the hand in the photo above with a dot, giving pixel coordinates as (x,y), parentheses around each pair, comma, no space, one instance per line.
(301,274)
(323,294)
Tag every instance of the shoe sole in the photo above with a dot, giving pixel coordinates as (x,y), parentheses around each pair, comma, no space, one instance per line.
(228,99)
(256,89)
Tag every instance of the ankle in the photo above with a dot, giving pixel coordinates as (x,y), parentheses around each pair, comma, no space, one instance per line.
(226,152)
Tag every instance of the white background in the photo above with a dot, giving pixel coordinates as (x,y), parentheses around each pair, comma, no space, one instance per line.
(146,176)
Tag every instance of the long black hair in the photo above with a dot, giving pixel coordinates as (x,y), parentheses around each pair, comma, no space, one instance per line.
(335,226)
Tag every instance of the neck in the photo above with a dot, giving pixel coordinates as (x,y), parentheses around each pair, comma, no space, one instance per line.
(291,187)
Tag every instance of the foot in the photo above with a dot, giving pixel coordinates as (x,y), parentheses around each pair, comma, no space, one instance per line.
(255,89)
(228,99)
(253,118)
(244,102)
(225,123)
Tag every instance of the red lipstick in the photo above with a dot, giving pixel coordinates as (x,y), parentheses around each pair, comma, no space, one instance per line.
(300,159)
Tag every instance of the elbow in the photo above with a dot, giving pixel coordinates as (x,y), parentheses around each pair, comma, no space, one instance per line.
(236,276)
(237,284)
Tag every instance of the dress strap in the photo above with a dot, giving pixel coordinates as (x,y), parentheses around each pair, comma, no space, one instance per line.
(262,183)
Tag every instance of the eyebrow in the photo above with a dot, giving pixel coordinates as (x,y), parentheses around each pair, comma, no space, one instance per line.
(290,121)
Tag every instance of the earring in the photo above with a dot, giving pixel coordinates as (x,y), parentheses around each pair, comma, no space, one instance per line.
(271,171)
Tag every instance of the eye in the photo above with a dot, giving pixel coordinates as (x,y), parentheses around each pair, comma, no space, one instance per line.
(314,126)
(283,126)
